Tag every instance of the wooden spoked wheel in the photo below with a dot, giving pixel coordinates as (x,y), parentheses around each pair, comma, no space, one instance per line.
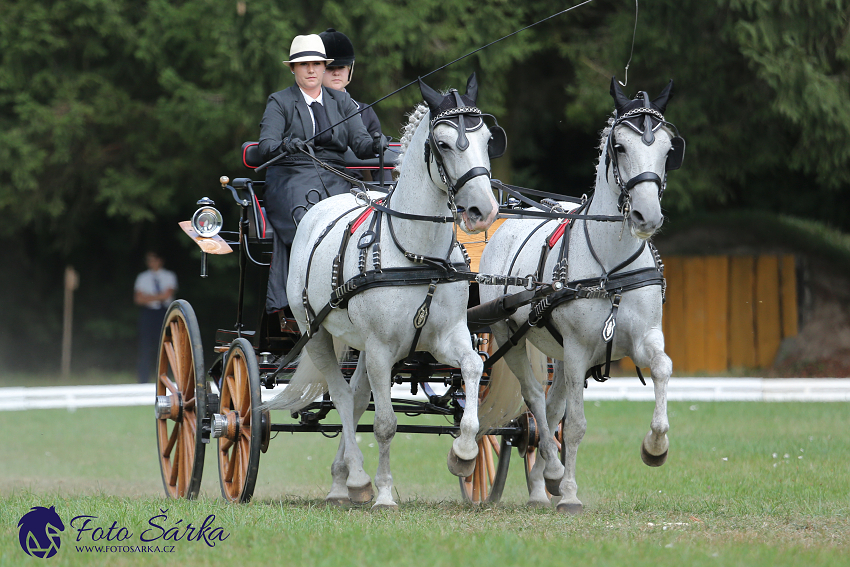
(239,447)
(491,470)
(180,402)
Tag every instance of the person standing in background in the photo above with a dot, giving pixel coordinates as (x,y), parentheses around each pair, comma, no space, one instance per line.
(153,292)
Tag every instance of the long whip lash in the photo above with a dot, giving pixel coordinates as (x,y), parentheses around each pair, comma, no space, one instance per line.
(634,33)
(276,158)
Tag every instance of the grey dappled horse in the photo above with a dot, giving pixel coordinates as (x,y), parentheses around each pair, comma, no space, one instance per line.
(380,321)
(637,149)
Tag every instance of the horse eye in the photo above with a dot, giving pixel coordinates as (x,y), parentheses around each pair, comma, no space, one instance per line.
(442,145)
(620,148)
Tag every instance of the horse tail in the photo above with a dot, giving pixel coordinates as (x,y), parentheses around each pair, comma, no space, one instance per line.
(306,384)
(503,401)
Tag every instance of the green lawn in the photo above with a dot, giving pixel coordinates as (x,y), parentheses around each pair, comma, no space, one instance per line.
(745,484)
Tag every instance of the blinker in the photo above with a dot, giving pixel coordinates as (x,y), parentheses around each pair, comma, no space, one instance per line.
(676,154)
(498,142)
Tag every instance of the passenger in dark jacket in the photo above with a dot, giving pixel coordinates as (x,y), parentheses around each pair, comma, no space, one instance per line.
(339,74)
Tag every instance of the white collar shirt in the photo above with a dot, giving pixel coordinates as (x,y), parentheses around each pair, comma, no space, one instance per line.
(310,100)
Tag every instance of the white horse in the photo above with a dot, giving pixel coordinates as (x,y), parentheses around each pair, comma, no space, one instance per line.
(637,149)
(382,322)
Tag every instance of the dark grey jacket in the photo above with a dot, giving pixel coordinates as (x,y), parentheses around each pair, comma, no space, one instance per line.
(287,115)
(295,183)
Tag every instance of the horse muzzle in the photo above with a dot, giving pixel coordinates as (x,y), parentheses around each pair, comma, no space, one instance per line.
(643,227)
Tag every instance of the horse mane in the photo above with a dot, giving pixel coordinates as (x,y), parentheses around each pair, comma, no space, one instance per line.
(603,134)
(413,120)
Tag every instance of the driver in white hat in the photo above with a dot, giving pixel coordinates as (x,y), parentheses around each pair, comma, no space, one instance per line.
(305,111)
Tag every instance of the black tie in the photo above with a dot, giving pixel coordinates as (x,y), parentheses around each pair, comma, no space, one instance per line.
(322,123)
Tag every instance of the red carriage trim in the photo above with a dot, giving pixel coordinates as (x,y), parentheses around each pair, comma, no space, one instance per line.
(260,215)
(245,153)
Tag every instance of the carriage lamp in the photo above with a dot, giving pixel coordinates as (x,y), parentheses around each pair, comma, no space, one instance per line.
(207,220)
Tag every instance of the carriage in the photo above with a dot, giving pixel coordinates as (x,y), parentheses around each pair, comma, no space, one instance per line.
(598,280)
(195,405)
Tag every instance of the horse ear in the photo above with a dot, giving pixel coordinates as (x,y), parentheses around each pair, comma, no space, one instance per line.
(472,88)
(665,96)
(432,97)
(620,100)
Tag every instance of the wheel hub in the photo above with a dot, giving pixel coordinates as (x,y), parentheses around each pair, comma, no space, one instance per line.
(169,407)
(225,425)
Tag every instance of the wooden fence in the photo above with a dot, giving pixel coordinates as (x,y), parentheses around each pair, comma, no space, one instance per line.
(728,311)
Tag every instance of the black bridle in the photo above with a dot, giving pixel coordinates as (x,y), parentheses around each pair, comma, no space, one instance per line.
(647,132)
(457,118)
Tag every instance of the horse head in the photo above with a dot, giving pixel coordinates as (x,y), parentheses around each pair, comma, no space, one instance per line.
(459,148)
(641,148)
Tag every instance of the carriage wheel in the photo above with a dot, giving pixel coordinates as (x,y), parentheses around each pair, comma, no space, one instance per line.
(180,402)
(487,481)
(239,446)
(531,453)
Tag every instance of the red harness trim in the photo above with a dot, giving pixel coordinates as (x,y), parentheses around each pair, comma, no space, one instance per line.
(361,219)
(559,232)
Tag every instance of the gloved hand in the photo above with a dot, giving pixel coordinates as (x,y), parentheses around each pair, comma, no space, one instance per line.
(294,145)
(379,144)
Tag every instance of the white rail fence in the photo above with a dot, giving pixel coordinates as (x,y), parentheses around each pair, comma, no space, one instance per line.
(679,390)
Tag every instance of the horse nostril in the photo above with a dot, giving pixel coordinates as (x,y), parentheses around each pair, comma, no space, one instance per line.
(637,217)
(474,214)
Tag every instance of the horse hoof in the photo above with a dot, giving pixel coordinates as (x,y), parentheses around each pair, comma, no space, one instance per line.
(361,495)
(652,460)
(337,501)
(553,486)
(385,507)
(538,503)
(460,467)
(571,509)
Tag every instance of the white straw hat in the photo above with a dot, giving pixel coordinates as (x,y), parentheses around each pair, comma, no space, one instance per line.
(307,48)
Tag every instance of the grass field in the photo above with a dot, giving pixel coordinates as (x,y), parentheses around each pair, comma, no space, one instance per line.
(745,484)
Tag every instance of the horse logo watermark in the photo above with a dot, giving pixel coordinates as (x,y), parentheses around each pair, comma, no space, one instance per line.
(38,532)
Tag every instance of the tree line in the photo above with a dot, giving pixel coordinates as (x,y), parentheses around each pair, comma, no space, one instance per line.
(117,115)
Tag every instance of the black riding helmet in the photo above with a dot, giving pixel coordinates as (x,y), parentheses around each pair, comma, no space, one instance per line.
(338,47)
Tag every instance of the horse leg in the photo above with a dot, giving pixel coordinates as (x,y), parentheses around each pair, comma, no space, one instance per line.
(339,470)
(461,459)
(548,468)
(379,370)
(575,425)
(321,350)
(653,449)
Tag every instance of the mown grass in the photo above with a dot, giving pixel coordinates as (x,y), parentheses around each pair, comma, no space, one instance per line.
(723,498)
